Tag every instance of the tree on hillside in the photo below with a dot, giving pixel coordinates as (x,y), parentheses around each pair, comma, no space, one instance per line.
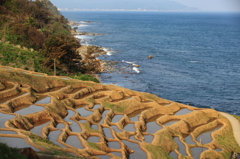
(60,52)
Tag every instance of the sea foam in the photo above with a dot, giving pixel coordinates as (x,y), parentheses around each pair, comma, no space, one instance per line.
(136,69)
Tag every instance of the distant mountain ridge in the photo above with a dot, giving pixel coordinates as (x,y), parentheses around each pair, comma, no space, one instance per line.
(163,5)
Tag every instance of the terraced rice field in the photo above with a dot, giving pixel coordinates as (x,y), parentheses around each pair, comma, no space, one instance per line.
(92,120)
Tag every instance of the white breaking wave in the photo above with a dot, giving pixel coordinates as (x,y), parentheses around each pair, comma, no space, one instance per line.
(194,61)
(109,53)
(136,69)
(84,39)
(132,63)
(128,62)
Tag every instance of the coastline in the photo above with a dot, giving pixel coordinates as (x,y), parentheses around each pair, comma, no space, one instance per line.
(90,53)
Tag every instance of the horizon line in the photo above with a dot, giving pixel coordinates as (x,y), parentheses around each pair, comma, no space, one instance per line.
(142,10)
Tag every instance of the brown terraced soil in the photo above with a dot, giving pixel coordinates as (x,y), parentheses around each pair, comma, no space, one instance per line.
(61,116)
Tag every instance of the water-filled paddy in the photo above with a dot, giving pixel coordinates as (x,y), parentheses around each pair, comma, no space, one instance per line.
(138,152)
(7,132)
(117,154)
(37,129)
(29,110)
(115,128)
(196,151)
(183,111)
(16,142)
(129,127)
(173,155)
(70,114)
(75,127)
(46,100)
(152,127)
(74,141)
(170,123)
(103,157)
(148,138)
(96,106)
(116,118)
(4,118)
(60,126)
(83,112)
(181,146)
(103,116)
(206,137)
(108,133)
(93,139)
(189,140)
(53,137)
(114,145)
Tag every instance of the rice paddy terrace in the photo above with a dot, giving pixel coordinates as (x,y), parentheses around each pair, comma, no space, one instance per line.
(92,120)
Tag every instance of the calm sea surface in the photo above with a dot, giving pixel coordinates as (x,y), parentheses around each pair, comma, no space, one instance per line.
(196,56)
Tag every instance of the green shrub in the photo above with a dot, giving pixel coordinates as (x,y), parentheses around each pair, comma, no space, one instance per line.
(9,153)
(84,77)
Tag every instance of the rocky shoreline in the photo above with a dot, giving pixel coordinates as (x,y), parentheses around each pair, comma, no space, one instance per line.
(89,53)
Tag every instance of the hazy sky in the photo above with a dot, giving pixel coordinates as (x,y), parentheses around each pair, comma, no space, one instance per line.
(204,5)
(213,5)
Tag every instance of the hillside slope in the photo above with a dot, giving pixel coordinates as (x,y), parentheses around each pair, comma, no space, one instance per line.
(60,115)
(35,36)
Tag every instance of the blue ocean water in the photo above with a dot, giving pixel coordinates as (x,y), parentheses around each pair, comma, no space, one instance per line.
(196,56)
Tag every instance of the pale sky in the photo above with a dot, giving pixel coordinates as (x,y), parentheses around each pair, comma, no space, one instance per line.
(203,5)
(213,5)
